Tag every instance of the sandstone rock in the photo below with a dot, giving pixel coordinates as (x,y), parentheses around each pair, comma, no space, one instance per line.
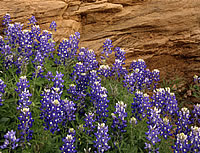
(125,2)
(102,7)
(164,33)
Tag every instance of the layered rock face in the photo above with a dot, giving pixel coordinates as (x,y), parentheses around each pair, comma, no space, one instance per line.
(165,33)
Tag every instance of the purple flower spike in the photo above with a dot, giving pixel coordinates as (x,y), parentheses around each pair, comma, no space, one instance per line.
(53,25)
(32,20)
(10,139)
(6,20)
(102,138)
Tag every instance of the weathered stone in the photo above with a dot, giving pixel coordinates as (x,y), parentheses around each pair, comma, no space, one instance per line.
(99,7)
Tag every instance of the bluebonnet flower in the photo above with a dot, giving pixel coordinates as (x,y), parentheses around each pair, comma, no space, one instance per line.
(68,146)
(78,69)
(72,131)
(49,76)
(32,20)
(25,117)
(21,63)
(140,64)
(2,44)
(107,47)
(68,48)
(24,99)
(69,109)
(52,109)
(35,31)
(152,137)
(38,72)
(194,138)
(104,70)
(26,121)
(46,44)
(10,140)
(2,91)
(119,116)
(13,33)
(156,75)
(76,95)
(93,77)
(81,77)
(64,50)
(133,121)
(38,63)
(8,56)
(117,69)
(88,58)
(181,144)
(165,100)
(89,122)
(140,77)
(141,105)
(74,40)
(53,25)
(155,122)
(98,96)
(58,80)
(120,54)
(196,79)
(102,138)
(183,121)
(39,59)
(22,84)
(165,128)
(196,112)
(6,20)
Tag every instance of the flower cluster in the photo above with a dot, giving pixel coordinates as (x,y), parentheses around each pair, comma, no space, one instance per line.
(104,70)
(68,146)
(120,54)
(119,116)
(99,98)
(67,49)
(32,20)
(107,48)
(54,110)
(118,70)
(88,58)
(6,20)
(165,100)
(181,144)
(53,25)
(26,121)
(140,77)
(25,117)
(69,109)
(141,104)
(51,109)
(23,92)
(196,112)
(154,130)
(89,122)
(183,121)
(102,138)
(2,91)
(10,139)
